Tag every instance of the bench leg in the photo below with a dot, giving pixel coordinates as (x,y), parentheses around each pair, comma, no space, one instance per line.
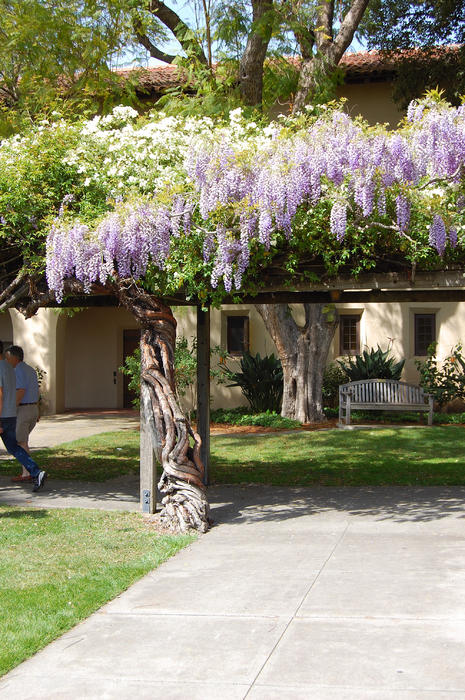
(348,413)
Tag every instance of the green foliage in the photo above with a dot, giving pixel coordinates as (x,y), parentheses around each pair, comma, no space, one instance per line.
(403,24)
(185,362)
(333,376)
(35,176)
(185,366)
(240,416)
(398,417)
(372,364)
(58,54)
(260,380)
(131,368)
(446,380)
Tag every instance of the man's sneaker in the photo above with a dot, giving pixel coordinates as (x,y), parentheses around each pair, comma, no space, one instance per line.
(39,481)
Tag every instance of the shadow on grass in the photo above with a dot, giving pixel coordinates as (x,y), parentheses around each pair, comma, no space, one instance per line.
(18,514)
(410,457)
(61,463)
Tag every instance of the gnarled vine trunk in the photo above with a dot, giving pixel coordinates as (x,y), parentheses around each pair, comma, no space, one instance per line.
(176,444)
(303,352)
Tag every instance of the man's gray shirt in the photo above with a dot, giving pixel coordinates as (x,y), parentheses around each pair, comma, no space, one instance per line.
(8,384)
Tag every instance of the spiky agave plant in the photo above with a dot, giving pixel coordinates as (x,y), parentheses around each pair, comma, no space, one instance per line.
(372,364)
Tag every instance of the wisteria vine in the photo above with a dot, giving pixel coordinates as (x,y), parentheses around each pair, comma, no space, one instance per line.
(237,194)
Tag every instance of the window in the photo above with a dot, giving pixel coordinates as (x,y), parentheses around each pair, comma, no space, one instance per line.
(238,334)
(349,335)
(425,332)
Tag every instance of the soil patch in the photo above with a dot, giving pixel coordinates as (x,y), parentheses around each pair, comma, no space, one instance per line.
(217,428)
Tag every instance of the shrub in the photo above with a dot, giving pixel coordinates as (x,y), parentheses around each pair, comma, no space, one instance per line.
(333,376)
(240,416)
(260,380)
(445,382)
(131,369)
(372,364)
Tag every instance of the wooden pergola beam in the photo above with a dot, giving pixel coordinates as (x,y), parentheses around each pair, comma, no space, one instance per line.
(380,288)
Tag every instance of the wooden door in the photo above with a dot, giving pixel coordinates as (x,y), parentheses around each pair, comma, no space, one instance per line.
(131,339)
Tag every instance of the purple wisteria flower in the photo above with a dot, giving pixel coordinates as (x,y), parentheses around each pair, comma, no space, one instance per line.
(402,212)
(243,194)
(338,220)
(437,234)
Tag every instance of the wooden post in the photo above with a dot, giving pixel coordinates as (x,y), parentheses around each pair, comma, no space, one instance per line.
(148,464)
(203,386)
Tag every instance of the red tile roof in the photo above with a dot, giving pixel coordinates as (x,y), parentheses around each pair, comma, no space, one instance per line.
(360,65)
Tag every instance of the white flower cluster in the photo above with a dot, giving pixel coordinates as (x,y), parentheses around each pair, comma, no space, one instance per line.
(145,155)
(127,154)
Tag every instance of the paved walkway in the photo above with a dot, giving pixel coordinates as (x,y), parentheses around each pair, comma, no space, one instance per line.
(295,594)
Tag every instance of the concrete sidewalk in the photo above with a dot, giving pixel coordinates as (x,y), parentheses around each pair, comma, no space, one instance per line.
(294,594)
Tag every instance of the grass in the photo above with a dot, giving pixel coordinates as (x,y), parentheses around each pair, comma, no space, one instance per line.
(378,457)
(50,580)
(95,458)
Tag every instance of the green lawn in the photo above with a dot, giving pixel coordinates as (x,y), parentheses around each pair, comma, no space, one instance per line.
(377,456)
(95,458)
(408,456)
(58,566)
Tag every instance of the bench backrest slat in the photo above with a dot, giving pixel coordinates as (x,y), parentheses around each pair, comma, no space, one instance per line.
(383,391)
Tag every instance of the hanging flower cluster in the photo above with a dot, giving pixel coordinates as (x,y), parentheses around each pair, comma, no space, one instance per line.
(243,187)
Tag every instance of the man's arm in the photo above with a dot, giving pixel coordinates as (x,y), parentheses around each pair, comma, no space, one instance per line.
(21,383)
(1,405)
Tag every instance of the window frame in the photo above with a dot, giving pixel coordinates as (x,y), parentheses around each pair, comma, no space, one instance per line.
(416,344)
(246,328)
(342,318)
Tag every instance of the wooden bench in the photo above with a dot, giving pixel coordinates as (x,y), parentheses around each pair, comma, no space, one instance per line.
(383,395)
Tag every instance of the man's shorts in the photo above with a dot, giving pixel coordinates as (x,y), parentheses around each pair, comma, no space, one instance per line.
(26,419)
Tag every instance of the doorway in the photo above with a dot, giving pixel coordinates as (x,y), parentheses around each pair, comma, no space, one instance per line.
(131,341)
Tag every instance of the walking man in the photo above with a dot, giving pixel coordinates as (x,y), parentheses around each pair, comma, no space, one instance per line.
(27,400)
(8,423)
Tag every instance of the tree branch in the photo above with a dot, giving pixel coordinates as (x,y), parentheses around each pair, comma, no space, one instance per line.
(144,40)
(324,35)
(8,291)
(178,28)
(347,29)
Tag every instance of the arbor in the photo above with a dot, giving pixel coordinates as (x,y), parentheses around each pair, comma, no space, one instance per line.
(236,206)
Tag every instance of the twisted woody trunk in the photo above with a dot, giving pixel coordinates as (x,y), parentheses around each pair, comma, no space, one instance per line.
(175,443)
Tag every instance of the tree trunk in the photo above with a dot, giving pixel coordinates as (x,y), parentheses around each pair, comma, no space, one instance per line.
(329,49)
(184,494)
(251,65)
(303,352)
(312,70)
